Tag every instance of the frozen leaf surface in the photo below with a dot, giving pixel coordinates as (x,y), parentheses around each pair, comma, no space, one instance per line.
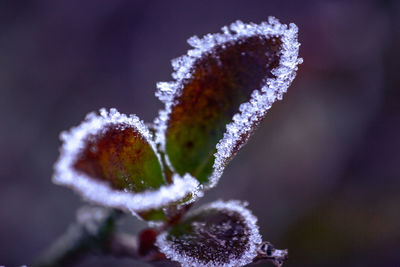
(121,155)
(222,90)
(219,234)
(111,160)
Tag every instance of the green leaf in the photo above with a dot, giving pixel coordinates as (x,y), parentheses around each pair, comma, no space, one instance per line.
(119,152)
(111,160)
(222,80)
(213,82)
(120,155)
(221,233)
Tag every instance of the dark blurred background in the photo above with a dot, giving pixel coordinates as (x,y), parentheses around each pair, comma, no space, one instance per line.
(322,173)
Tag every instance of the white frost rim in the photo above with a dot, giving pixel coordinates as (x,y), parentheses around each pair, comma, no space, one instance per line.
(249,219)
(260,101)
(100,192)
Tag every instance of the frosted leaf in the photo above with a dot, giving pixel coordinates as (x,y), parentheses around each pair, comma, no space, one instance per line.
(111,160)
(221,91)
(219,234)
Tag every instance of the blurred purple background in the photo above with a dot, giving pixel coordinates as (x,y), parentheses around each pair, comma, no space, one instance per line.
(322,173)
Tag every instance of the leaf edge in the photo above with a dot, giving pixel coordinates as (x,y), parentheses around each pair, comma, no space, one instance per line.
(266,96)
(231,205)
(100,192)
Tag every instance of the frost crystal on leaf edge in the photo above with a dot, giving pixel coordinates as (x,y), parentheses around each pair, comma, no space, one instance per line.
(250,112)
(100,192)
(171,252)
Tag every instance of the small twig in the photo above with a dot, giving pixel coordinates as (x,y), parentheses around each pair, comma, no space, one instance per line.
(94,231)
(91,232)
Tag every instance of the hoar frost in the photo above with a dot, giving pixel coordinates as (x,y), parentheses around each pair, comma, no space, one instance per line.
(229,227)
(246,222)
(102,193)
(251,112)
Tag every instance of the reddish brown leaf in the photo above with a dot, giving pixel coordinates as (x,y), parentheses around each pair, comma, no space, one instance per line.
(231,74)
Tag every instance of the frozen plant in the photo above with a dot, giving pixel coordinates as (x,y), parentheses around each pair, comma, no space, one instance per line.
(221,91)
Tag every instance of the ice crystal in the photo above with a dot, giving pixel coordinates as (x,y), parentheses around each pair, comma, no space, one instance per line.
(221,91)
(100,192)
(218,234)
(250,113)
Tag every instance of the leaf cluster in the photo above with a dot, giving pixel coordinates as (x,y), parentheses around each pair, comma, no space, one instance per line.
(221,91)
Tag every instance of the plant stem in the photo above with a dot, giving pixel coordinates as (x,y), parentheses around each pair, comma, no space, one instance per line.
(94,231)
(91,232)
